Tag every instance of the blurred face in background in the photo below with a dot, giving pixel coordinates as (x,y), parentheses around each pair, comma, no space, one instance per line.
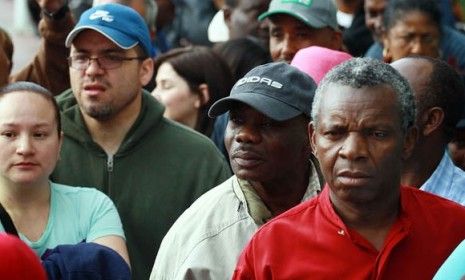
(6,53)
(288,35)
(413,34)
(374,17)
(173,91)
(242,20)
(457,148)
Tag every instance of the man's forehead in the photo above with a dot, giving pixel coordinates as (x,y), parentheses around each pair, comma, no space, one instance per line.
(247,5)
(375,4)
(287,20)
(95,40)
(335,92)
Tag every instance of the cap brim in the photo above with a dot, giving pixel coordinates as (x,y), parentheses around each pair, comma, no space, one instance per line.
(266,105)
(125,41)
(315,23)
(461,124)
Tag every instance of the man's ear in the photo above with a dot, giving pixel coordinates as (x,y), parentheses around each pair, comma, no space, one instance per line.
(146,71)
(311,136)
(227,11)
(410,140)
(204,96)
(431,119)
(387,56)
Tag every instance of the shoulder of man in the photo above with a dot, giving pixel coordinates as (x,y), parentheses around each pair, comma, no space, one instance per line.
(203,220)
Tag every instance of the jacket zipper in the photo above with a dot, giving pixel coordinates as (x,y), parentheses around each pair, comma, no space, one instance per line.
(110,163)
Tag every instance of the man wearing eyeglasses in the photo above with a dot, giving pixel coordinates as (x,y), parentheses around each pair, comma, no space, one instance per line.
(116,138)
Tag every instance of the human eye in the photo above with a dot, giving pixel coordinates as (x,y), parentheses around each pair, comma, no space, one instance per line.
(268,123)
(110,60)
(166,85)
(8,134)
(40,134)
(276,32)
(333,133)
(113,57)
(378,134)
(236,119)
(303,33)
(80,58)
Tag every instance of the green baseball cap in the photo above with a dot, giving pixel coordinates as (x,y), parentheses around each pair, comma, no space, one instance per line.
(314,13)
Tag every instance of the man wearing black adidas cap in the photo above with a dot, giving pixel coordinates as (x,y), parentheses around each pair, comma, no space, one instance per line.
(297,24)
(271,157)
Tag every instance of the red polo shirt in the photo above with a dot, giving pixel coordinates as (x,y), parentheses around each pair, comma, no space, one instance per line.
(310,241)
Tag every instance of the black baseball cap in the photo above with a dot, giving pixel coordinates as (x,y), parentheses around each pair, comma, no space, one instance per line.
(278,90)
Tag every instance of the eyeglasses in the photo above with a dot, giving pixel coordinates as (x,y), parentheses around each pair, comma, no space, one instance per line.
(424,39)
(106,61)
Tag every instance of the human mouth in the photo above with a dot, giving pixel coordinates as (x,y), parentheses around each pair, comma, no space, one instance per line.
(93,89)
(353,178)
(246,159)
(25,165)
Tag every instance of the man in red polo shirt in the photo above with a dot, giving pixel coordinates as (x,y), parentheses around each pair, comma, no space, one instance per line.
(363,225)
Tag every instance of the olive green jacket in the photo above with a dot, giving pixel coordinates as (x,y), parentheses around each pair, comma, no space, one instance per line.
(159,170)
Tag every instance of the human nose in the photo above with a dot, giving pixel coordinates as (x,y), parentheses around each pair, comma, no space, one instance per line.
(93,66)
(287,49)
(25,145)
(417,46)
(248,134)
(354,147)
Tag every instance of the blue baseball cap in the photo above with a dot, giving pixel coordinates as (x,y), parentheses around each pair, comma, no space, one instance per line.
(120,24)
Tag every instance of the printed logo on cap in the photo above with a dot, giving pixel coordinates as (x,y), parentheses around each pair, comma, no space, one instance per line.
(258,79)
(104,15)
(302,2)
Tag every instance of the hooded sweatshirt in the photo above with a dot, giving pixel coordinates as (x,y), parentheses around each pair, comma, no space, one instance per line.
(160,168)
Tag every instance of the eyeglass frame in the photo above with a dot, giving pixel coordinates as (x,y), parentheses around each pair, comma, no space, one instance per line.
(120,60)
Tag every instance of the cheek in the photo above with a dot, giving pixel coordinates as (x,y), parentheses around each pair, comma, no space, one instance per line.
(326,153)
(228,138)
(274,48)
(173,97)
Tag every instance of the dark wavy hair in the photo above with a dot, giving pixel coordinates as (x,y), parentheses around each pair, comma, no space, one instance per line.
(396,9)
(200,65)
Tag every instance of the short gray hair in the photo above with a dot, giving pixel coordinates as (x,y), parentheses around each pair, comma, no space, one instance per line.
(367,72)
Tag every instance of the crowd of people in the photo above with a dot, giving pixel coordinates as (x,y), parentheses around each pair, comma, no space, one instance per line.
(243,139)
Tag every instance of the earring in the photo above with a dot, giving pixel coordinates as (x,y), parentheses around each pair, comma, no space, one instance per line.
(386,56)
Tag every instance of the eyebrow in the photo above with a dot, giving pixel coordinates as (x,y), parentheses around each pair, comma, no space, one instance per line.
(37,125)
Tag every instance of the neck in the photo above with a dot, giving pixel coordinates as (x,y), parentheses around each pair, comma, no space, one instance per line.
(281,195)
(110,133)
(28,206)
(372,220)
(191,121)
(20,197)
(421,165)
